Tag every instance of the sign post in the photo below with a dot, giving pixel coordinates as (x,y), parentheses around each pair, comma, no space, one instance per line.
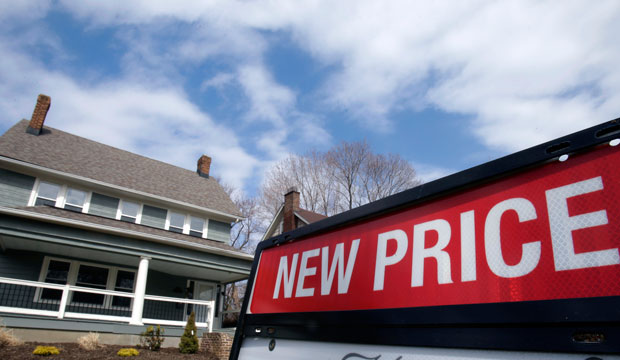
(519,254)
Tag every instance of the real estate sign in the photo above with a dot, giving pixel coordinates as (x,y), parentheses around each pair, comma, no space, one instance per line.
(522,253)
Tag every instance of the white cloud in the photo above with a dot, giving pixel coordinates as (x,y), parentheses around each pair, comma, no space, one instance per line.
(218,81)
(157,122)
(524,71)
(510,64)
(269,100)
(429,172)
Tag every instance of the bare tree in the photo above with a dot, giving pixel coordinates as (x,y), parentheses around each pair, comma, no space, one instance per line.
(347,160)
(244,234)
(346,176)
(310,175)
(384,175)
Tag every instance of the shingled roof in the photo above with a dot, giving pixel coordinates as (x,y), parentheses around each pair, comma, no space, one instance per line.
(61,151)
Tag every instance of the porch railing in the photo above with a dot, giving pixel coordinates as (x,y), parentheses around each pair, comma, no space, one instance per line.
(67,301)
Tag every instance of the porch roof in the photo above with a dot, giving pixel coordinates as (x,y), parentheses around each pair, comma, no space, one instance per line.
(88,221)
(47,231)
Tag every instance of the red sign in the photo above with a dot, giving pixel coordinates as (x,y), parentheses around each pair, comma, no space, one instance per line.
(548,233)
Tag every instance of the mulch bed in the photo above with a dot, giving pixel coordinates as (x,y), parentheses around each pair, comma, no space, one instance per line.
(71,351)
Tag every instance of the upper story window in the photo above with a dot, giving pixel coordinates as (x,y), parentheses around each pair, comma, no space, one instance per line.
(176,222)
(75,199)
(129,211)
(196,226)
(47,194)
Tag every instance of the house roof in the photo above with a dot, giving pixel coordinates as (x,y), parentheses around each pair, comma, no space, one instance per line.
(69,215)
(309,217)
(306,216)
(61,151)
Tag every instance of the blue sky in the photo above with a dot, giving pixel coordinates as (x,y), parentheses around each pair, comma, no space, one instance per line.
(447,85)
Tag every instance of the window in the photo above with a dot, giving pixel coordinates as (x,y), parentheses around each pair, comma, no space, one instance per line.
(57,273)
(47,194)
(177,221)
(124,282)
(60,271)
(92,277)
(74,200)
(196,226)
(129,211)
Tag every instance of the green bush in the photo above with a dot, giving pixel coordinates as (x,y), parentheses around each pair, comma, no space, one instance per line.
(128,352)
(46,350)
(189,340)
(152,338)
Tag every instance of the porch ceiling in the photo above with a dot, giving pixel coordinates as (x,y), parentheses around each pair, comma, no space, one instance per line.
(120,259)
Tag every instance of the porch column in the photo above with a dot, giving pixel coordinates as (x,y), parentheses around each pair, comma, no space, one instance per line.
(138,301)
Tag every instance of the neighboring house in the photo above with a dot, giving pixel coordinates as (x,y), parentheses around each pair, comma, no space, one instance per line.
(94,238)
(290,216)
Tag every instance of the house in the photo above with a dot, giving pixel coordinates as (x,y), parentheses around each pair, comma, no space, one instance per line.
(94,238)
(290,216)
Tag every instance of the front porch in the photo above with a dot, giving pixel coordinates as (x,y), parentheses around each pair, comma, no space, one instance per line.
(56,276)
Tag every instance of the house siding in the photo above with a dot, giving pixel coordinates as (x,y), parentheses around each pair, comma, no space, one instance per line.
(15,188)
(153,216)
(103,205)
(219,231)
(21,265)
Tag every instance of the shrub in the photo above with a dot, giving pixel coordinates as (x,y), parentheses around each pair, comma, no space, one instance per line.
(189,340)
(7,338)
(46,350)
(128,352)
(89,342)
(152,338)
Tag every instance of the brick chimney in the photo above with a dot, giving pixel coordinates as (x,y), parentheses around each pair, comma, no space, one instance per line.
(39,114)
(204,165)
(291,203)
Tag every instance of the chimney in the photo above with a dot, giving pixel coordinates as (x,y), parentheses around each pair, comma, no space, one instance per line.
(291,203)
(204,164)
(39,114)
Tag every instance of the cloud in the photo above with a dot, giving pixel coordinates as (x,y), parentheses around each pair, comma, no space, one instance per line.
(526,70)
(217,81)
(522,71)
(269,100)
(429,172)
(158,122)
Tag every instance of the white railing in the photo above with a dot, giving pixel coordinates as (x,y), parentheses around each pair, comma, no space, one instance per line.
(67,301)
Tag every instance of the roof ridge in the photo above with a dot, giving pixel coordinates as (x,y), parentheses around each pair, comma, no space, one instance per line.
(68,134)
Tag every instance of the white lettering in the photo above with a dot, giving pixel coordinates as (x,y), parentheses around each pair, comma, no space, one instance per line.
(468,246)
(344,277)
(383,260)
(442,227)
(284,275)
(562,225)
(304,271)
(492,241)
